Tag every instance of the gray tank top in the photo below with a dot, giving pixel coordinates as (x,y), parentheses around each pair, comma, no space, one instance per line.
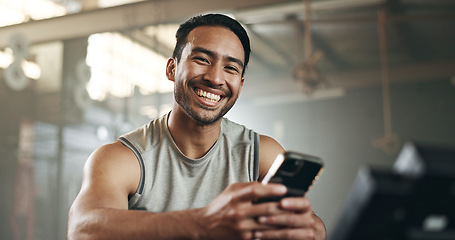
(170,181)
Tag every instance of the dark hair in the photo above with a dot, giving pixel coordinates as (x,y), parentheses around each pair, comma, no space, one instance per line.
(211,20)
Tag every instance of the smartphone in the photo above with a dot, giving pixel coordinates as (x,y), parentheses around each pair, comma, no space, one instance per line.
(296,171)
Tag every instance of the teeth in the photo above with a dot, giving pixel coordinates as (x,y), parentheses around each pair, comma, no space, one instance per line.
(208,96)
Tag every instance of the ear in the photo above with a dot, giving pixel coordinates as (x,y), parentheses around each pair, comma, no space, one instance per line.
(170,68)
(241,85)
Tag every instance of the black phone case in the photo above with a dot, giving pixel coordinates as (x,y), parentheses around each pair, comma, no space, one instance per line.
(297,172)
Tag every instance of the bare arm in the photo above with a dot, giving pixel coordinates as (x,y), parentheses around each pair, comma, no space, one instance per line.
(112,173)
(100,211)
(301,223)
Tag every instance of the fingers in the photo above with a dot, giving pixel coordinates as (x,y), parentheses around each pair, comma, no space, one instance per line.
(235,205)
(250,224)
(252,191)
(284,213)
(233,212)
(238,194)
(292,220)
(296,204)
(295,212)
(295,222)
(296,233)
(267,209)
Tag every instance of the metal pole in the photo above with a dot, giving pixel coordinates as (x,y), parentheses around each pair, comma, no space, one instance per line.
(385,80)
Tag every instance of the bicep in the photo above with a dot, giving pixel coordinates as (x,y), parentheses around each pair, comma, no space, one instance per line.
(269,148)
(110,175)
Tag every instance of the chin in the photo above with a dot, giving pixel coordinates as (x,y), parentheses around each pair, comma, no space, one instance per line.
(207,120)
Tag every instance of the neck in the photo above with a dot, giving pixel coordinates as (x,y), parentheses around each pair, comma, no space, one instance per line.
(193,139)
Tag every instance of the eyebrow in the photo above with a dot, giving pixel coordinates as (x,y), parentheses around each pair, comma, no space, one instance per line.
(213,54)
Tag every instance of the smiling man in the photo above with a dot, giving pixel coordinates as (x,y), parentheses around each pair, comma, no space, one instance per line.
(192,174)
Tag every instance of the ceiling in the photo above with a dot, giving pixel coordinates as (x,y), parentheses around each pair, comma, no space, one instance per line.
(362,42)
(324,44)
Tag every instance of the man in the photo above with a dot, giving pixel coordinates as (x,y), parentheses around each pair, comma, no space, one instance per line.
(192,172)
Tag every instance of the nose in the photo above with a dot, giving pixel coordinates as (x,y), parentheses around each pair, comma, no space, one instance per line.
(214,74)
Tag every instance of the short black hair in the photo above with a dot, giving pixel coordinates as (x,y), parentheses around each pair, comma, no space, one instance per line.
(212,20)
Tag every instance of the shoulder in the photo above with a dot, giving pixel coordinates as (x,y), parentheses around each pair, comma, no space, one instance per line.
(113,165)
(269,148)
(229,125)
(113,153)
(237,131)
(108,178)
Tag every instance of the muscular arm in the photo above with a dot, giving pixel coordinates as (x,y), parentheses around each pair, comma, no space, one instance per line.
(100,211)
(268,150)
(112,173)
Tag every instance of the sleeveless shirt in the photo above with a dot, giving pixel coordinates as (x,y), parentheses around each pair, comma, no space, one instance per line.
(170,181)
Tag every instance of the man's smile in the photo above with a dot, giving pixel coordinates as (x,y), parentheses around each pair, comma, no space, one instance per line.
(208,96)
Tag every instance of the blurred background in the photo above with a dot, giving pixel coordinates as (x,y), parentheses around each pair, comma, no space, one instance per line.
(350,81)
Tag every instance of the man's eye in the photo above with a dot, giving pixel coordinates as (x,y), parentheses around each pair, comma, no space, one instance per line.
(201,59)
(232,69)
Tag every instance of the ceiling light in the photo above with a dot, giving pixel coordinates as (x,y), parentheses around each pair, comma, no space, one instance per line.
(111,3)
(6,58)
(10,16)
(42,9)
(31,69)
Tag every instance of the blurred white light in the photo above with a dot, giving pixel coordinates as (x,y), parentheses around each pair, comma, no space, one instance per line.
(42,9)
(73,6)
(10,15)
(97,90)
(118,64)
(18,11)
(111,3)
(435,223)
(6,58)
(31,69)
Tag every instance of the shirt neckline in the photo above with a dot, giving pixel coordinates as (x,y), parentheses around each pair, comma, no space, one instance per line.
(174,145)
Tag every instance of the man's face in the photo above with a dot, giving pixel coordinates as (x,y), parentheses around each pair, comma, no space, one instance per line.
(208,77)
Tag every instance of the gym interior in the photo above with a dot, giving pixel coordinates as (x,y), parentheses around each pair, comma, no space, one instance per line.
(354,82)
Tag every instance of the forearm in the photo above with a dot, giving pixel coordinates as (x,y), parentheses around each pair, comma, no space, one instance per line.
(115,224)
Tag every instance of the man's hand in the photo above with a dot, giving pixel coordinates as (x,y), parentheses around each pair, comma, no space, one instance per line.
(296,222)
(233,215)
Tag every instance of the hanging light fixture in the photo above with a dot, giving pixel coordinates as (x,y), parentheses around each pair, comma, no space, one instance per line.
(390,142)
(306,73)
